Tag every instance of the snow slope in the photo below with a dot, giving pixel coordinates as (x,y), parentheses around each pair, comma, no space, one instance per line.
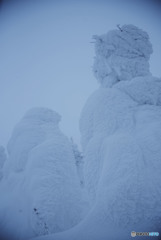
(120,126)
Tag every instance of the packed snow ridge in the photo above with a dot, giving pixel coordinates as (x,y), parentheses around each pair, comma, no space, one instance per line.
(114,187)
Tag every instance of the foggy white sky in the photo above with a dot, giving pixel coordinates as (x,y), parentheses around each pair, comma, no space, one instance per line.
(46,56)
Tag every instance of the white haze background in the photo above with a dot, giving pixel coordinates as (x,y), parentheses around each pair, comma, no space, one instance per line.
(46,56)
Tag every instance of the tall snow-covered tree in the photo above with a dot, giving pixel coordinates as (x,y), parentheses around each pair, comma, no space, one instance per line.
(40,192)
(120,128)
(78,156)
(121,131)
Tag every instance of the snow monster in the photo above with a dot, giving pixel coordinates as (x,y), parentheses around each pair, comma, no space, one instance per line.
(40,189)
(120,126)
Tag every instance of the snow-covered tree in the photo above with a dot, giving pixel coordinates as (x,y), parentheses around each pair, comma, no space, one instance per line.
(78,161)
(120,128)
(40,192)
(121,55)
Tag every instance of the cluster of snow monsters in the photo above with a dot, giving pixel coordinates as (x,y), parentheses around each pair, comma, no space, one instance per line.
(120,128)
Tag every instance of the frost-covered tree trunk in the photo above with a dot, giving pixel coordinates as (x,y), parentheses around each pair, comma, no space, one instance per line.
(78,156)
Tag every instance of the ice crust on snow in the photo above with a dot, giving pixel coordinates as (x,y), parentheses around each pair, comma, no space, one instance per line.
(40,191)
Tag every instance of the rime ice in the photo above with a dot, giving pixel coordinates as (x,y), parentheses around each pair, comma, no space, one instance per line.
(120,128)
(121,133)
(121,55)
(40,191)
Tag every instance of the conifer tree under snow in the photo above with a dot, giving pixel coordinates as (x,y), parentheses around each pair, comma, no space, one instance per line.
(40,192)
(120,128)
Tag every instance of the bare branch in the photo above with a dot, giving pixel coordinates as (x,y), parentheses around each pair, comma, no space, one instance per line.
(118,25)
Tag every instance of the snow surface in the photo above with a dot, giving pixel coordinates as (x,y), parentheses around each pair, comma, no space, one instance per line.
(120,126)
(40,192)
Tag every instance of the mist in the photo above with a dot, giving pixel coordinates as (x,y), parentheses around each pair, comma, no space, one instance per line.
(47,54)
